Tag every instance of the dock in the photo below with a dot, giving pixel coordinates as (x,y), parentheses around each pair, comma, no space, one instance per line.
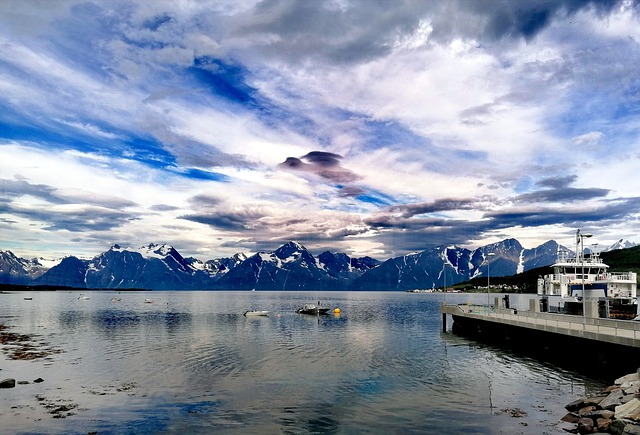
(601,341)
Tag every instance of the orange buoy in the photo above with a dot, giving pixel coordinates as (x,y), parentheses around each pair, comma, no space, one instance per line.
(336,311)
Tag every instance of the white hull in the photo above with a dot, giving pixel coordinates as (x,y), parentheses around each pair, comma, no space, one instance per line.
(256,313)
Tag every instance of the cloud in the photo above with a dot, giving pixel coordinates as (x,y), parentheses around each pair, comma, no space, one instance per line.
(562,195)
(324,164)
(592,137)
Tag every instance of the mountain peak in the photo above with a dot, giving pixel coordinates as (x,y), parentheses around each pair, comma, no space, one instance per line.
(621,244)
(289,249)
(157,251)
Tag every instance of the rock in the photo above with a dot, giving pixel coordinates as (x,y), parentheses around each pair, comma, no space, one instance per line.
(8,383)
(633,377)
(570,418)
(610,388)
(612,400)
(603,424)
(585,425)
(23,382)
(575,405)
(617,427)
(630,387)
(37,381)
(586,410)
(630,410)
(631,429)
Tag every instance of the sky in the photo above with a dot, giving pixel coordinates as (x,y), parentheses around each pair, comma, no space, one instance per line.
(369,127)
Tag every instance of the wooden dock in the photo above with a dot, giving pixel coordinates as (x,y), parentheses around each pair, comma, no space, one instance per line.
(610,331)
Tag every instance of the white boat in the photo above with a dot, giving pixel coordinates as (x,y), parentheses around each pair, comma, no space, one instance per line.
(148,301)
(83,298)
(256,313)
(577,276)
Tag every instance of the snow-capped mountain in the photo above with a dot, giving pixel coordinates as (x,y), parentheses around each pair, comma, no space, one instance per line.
(428,269)
(620,244)
(290,267)
(16,270)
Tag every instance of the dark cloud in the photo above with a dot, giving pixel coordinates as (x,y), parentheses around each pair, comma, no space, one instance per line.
(351,191)
(445,204)
(611,211)
(10,189)
(227,221)
(324,164)
(558,182)
(360,30)
(563,195)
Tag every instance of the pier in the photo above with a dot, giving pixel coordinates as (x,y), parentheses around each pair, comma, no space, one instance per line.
(574,339)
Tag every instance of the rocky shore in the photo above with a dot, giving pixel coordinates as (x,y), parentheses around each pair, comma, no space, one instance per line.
(614,410)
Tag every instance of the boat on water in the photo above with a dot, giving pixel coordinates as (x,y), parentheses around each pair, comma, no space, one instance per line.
(28,298)
(579,277)
(256,313)
(83,298)
(116,299)
(148,301)
(312,309)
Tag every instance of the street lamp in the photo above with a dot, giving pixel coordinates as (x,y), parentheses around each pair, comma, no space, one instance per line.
(444,275)
(580,242)
(490,254)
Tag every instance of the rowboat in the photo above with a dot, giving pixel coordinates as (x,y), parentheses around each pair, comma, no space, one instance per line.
(256,313)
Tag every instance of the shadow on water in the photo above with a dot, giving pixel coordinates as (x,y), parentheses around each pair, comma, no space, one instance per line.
(598,360)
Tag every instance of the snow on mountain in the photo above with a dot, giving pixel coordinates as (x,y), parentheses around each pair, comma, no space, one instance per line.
(620,244)
(289,267)
(16,270)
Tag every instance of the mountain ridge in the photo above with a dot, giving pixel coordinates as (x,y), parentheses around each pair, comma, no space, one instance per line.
(289,267)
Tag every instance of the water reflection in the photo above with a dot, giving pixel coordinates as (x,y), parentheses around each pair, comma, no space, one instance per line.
(199,366)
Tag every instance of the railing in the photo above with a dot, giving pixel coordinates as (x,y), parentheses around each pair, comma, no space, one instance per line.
(597,328)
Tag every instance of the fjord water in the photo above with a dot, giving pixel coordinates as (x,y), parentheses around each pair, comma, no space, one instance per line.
(191,363)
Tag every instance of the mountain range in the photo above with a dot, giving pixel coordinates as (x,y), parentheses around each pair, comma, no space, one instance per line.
(290,267)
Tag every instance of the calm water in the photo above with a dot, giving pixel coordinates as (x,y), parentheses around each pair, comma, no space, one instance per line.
(191,363)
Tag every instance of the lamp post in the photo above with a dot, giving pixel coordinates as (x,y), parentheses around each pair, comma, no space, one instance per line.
(444,277)
(580,241)
(490,254)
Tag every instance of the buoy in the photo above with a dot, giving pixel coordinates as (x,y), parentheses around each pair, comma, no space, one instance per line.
(336,311)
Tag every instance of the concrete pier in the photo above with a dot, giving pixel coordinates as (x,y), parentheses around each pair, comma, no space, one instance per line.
(622,332)
(588,340)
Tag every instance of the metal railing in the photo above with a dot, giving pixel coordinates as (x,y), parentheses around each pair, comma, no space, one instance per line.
(596,328)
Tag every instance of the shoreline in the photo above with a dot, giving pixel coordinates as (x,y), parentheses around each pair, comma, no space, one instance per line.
(614,410)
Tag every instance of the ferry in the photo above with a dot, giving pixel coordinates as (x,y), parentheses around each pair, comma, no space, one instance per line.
(579,276)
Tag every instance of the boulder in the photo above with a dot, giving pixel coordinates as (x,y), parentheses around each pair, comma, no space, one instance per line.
(586,410)
(570,418)
(617,427)
(8,383)
(629,410)
(633,377)
(585,425)
(603,424)
(631,429)
(612,400)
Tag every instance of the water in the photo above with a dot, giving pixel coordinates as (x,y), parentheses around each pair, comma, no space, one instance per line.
(191,363)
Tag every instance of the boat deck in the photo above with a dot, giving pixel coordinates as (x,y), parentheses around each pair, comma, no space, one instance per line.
(612,331)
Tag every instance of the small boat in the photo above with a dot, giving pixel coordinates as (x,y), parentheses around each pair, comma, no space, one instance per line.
(316,310)
(148,301)
(83,298)
(116,299)
(256,313)
(28,298)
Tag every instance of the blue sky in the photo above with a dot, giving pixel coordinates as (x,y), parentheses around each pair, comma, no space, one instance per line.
(370,128)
